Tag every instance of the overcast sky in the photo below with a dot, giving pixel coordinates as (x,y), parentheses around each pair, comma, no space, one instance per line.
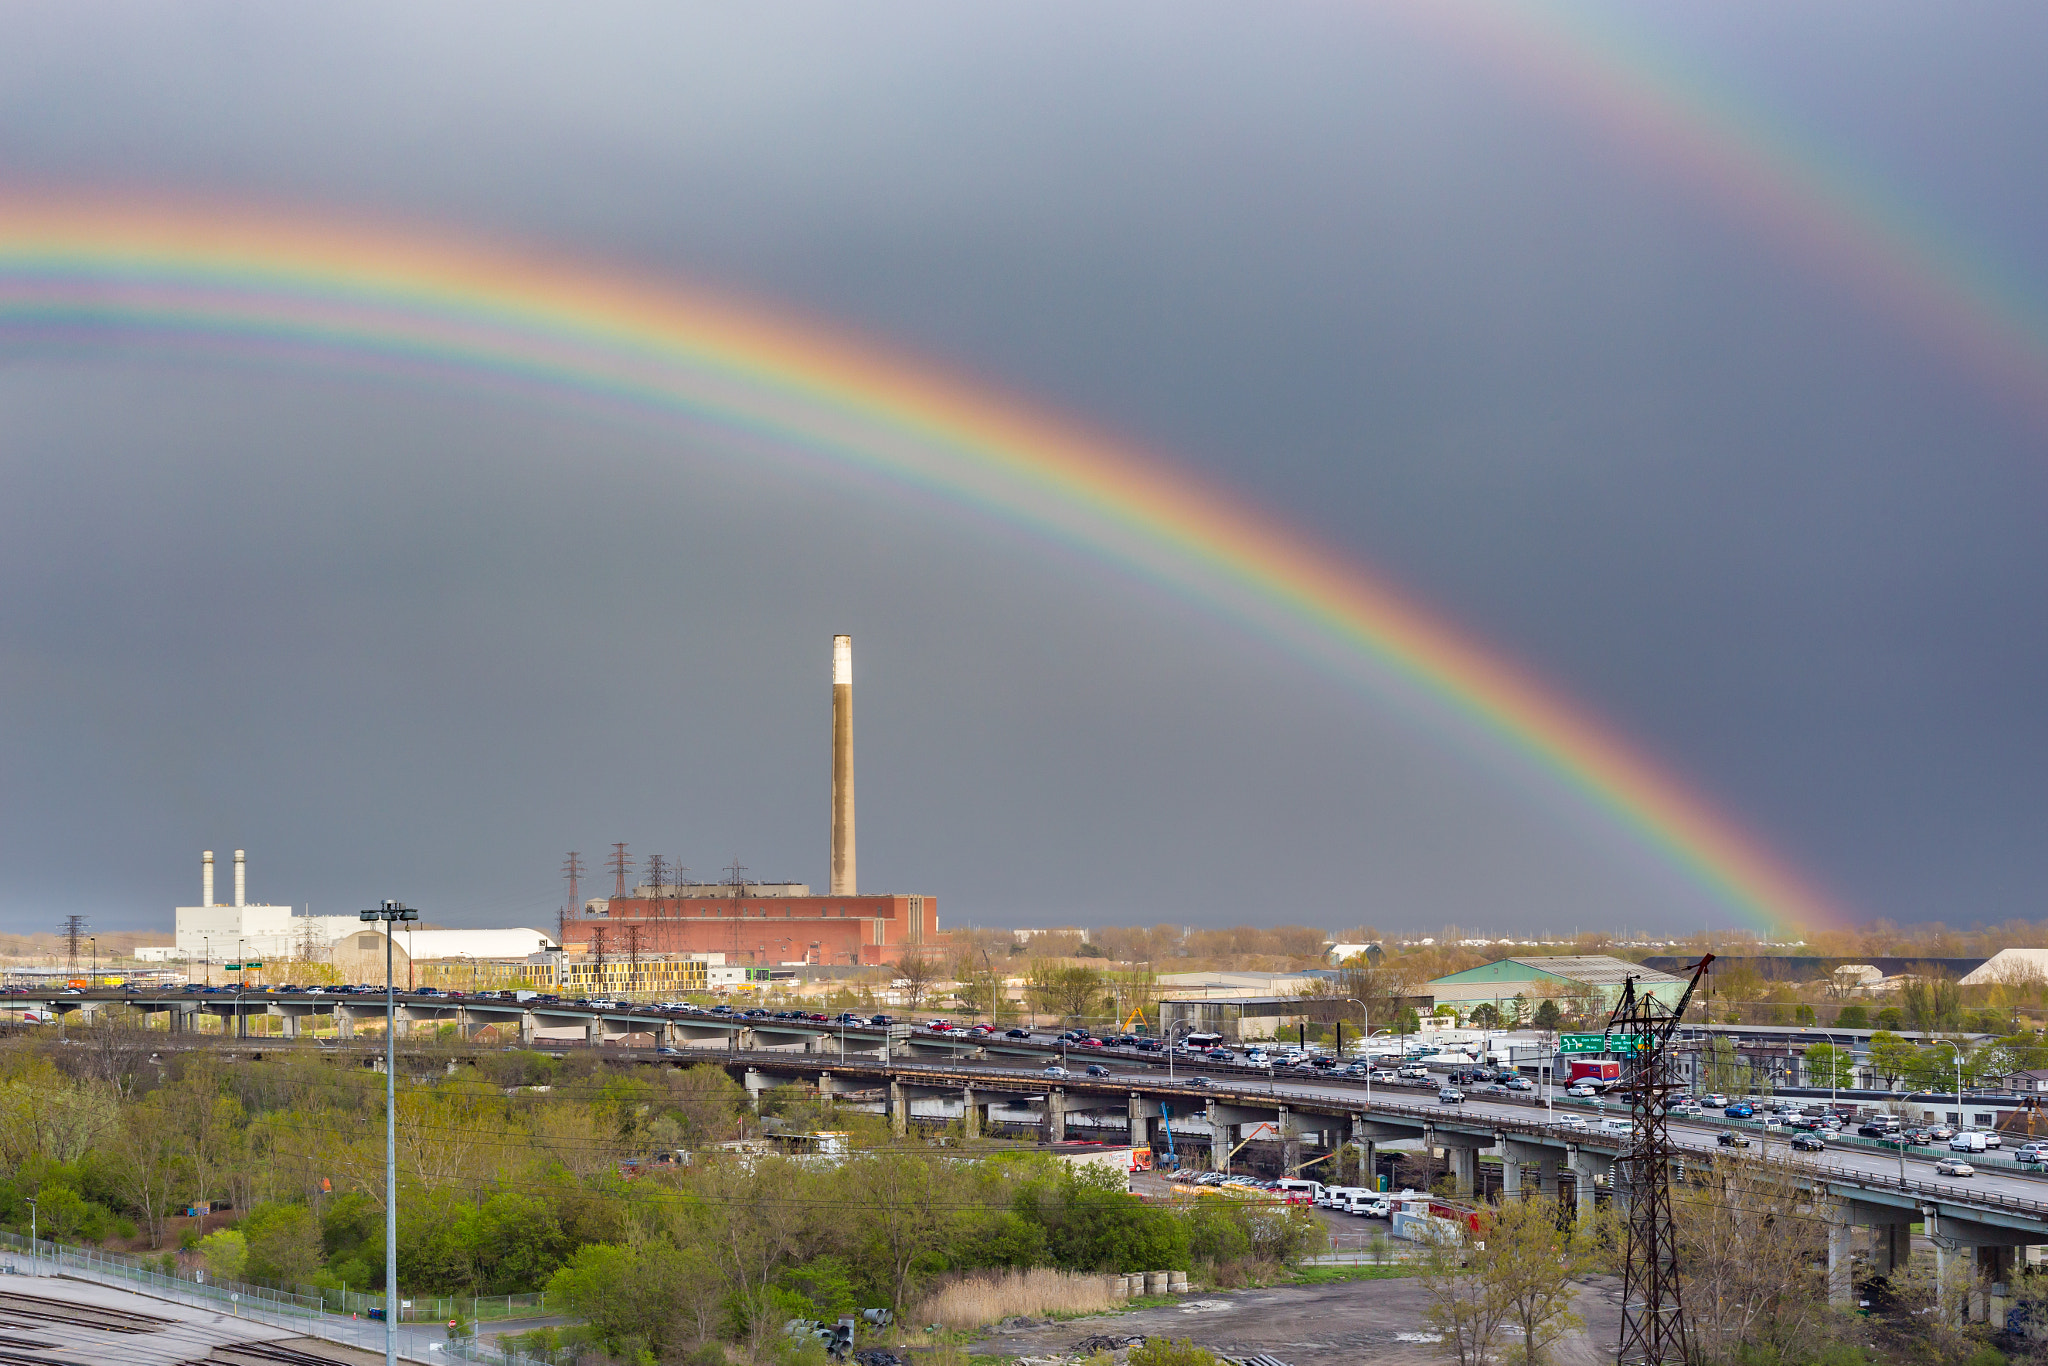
(418,642)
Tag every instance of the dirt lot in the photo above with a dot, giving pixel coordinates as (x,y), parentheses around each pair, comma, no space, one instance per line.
(1306,1325)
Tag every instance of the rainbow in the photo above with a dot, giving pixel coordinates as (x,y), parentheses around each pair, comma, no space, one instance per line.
(1758,173)
(338,293)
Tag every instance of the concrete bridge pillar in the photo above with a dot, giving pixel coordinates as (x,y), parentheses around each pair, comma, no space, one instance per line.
(1510,1168)
(344,1023)
(970,1113)
(1841,1293)
(1546,1173)
(1056,1116)
(593,1031)
(755,1084)
(528,1028)
(291,1025)
(1894,1247)
(1290,1143)
(1141,1133)
(899,1109)
(1583,1165)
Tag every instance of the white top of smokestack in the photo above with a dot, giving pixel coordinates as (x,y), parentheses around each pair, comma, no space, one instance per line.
(842,660)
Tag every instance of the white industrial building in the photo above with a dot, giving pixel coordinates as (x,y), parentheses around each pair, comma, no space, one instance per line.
(242,930)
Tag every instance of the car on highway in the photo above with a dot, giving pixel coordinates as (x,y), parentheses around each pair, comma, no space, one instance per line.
(2031,1153)
(1518,1082)
(1096,1069)
(1383,1074)
(1016,1033)
(1717,1100)
(1940,1133)
(1741,1109)
(1689,1109)
(1055,1070)
(1203,1082)
(1728,1138)
(1809,1143)
(1582,1089)
(1414,1071)
(1450,1095)
(1954,1166)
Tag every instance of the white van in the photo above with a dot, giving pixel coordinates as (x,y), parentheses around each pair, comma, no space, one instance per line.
(1612,1126)
(1336,1197)
(1968,1141)
(1368,1205)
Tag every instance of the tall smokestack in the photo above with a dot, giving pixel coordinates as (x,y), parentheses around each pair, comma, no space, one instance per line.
(241,876)
(844,881)
(206,878)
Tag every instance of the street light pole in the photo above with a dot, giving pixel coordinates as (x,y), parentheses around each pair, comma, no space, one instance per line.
(1365,1037)
(389,912)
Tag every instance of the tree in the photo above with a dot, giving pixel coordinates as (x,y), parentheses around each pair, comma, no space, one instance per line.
(916,971)
(1485,1015)
(282,1244)
(1547,1017)
(1532,1258)
(1069,991)
(1852,1017)
(1751,1245)
(1890,1056)
(1468,1310)
(1827,1065)
(908,1208)
(149,1167)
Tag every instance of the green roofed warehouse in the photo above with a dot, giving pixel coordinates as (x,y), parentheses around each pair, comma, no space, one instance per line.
(1583,976)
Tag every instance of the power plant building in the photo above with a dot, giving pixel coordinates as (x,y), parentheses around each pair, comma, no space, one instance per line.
(771,923)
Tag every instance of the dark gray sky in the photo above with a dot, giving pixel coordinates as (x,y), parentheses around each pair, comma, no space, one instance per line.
(415,642)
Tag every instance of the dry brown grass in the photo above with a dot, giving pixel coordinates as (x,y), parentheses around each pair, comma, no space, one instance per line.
(990,1296)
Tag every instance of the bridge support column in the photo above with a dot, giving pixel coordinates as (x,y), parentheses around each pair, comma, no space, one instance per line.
(291,1026)
(756,1084)
(970,1113)
(1894,1247)
(1546,1174)
(344,1024)
(1056,1116)
(1841,1292)
(1140,1124)
(1994,1275)
(1464,1169)
(1510,1170)
(593,1031)
(1290,1143)
(1582,1179)
(899,1110)
(528,1028)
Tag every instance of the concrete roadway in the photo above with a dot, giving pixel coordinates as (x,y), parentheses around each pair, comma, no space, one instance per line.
(1695,1135)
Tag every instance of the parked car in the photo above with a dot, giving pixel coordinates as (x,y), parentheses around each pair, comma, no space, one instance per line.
(1954,1166)
(1728,1138)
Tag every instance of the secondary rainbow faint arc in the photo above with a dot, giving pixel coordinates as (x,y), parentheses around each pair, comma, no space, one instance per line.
(332,291)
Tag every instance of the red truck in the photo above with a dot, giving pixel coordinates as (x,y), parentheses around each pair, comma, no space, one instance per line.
(1599,1073)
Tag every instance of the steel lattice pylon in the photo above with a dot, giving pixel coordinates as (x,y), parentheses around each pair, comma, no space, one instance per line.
(1653,1327)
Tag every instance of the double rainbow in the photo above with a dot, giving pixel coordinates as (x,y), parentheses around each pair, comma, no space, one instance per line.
(330,293)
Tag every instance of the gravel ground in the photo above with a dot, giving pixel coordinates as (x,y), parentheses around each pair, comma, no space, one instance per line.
(1378,1321)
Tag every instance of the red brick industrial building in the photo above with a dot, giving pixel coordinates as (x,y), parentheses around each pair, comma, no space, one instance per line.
(768,926)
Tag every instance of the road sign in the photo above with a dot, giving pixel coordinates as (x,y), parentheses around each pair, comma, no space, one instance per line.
(1582,1043)
(253,967)
(231,967)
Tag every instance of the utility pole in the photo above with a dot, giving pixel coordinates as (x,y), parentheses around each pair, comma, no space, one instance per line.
(390,913)
(621,865)
(572,869)
(74,935)
(1653,1326)
(633,957)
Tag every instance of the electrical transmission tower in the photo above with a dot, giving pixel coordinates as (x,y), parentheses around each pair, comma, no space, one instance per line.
(1653,1326)
(572,869)
(657,872)
(74,935)
(621,865)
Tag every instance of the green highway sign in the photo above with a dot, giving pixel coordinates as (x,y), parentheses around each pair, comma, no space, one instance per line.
(237,967)
(231,967)
(1582,1043)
